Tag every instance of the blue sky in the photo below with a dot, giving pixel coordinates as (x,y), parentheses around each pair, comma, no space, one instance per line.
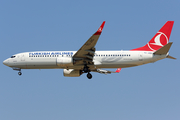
(139,93)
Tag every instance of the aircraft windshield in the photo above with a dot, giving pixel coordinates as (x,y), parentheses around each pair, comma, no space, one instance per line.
(13,56)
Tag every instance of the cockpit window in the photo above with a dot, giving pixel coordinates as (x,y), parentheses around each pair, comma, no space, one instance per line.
(13,56)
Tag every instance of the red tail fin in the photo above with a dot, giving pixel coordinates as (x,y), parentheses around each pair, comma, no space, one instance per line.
(159,40)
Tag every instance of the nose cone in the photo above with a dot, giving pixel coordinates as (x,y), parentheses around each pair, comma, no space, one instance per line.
(5,62)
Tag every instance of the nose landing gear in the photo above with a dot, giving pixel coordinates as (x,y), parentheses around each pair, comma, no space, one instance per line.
(19,73)
(18,69)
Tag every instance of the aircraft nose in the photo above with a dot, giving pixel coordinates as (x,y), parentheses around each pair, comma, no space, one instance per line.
(5,62)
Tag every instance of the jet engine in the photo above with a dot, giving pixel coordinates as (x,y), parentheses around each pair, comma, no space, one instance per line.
(72,73)
(64,61)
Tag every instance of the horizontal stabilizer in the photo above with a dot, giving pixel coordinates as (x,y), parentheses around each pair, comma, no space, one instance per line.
(163,50)
(170,57)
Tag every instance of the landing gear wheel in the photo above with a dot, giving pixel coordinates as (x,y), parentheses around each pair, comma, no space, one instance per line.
(19,73)
(89,76)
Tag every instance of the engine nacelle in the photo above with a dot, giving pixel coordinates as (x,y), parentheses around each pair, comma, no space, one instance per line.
(64,61)
(72,73)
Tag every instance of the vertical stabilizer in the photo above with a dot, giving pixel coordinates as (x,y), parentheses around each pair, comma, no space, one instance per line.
(160,39)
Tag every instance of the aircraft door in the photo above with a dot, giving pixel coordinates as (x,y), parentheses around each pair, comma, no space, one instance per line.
(140,56)
(22,57)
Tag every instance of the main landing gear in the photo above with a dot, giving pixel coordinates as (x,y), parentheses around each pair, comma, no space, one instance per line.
(86,70)
(89,76)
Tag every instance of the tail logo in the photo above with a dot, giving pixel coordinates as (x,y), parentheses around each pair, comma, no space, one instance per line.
(159,40)
(100,29)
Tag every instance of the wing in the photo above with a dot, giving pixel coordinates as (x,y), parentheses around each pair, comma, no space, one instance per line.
(86,53)
(106,71)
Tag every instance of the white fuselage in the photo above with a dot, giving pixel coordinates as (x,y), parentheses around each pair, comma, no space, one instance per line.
(87,59)
(101,59)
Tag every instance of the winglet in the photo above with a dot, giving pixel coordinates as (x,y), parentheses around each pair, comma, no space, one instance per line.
(100,29)
(118,70)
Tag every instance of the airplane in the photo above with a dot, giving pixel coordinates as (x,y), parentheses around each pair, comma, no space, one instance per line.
(87,59)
